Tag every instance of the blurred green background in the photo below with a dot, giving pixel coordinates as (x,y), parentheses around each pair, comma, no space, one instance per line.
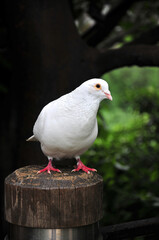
(127,148)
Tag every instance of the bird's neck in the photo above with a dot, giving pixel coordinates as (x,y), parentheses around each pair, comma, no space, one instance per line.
(85,105)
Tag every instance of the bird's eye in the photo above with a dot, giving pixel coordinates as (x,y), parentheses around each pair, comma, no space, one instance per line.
(98,86)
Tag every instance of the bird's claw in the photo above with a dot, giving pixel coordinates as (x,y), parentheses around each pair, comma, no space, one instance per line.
(48,169)
(81,166)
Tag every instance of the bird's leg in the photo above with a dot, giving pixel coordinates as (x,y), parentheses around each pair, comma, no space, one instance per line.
(49,167)
(81,166)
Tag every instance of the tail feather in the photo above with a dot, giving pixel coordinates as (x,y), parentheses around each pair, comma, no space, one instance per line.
(32,138)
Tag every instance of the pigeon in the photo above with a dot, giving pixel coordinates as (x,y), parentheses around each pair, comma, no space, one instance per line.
(67,126)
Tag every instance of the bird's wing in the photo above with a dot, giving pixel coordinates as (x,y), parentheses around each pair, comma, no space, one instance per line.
(32,138)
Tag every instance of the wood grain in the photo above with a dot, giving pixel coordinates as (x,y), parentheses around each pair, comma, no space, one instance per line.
(58,200)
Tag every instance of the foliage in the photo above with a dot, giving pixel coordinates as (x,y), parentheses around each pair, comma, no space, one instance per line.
(127,149)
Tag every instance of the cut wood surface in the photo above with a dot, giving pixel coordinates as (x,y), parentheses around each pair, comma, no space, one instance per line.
(55,200)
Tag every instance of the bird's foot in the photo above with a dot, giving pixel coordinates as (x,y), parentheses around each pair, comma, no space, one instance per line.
(81,166)
(49,168)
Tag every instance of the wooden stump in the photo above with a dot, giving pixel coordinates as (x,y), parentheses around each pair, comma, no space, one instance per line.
(59,200)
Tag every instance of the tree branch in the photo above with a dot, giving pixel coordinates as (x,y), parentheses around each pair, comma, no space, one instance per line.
(103,28)
(140,55)
(149,37)
(118,38)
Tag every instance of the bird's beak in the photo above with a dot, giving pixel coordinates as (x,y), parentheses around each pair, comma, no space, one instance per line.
(108,95)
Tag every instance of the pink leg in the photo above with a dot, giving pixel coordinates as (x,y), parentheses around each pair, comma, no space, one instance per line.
(49,168)
(81,166)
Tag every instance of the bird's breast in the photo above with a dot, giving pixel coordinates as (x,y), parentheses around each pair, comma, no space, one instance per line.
(69,138)
(66,130)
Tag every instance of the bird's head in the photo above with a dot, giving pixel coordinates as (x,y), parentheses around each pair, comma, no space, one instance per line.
(97,88)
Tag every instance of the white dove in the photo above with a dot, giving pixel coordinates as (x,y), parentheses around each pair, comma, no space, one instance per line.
(67,127)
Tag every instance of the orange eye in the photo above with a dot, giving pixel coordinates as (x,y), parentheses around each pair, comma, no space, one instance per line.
(98,86)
